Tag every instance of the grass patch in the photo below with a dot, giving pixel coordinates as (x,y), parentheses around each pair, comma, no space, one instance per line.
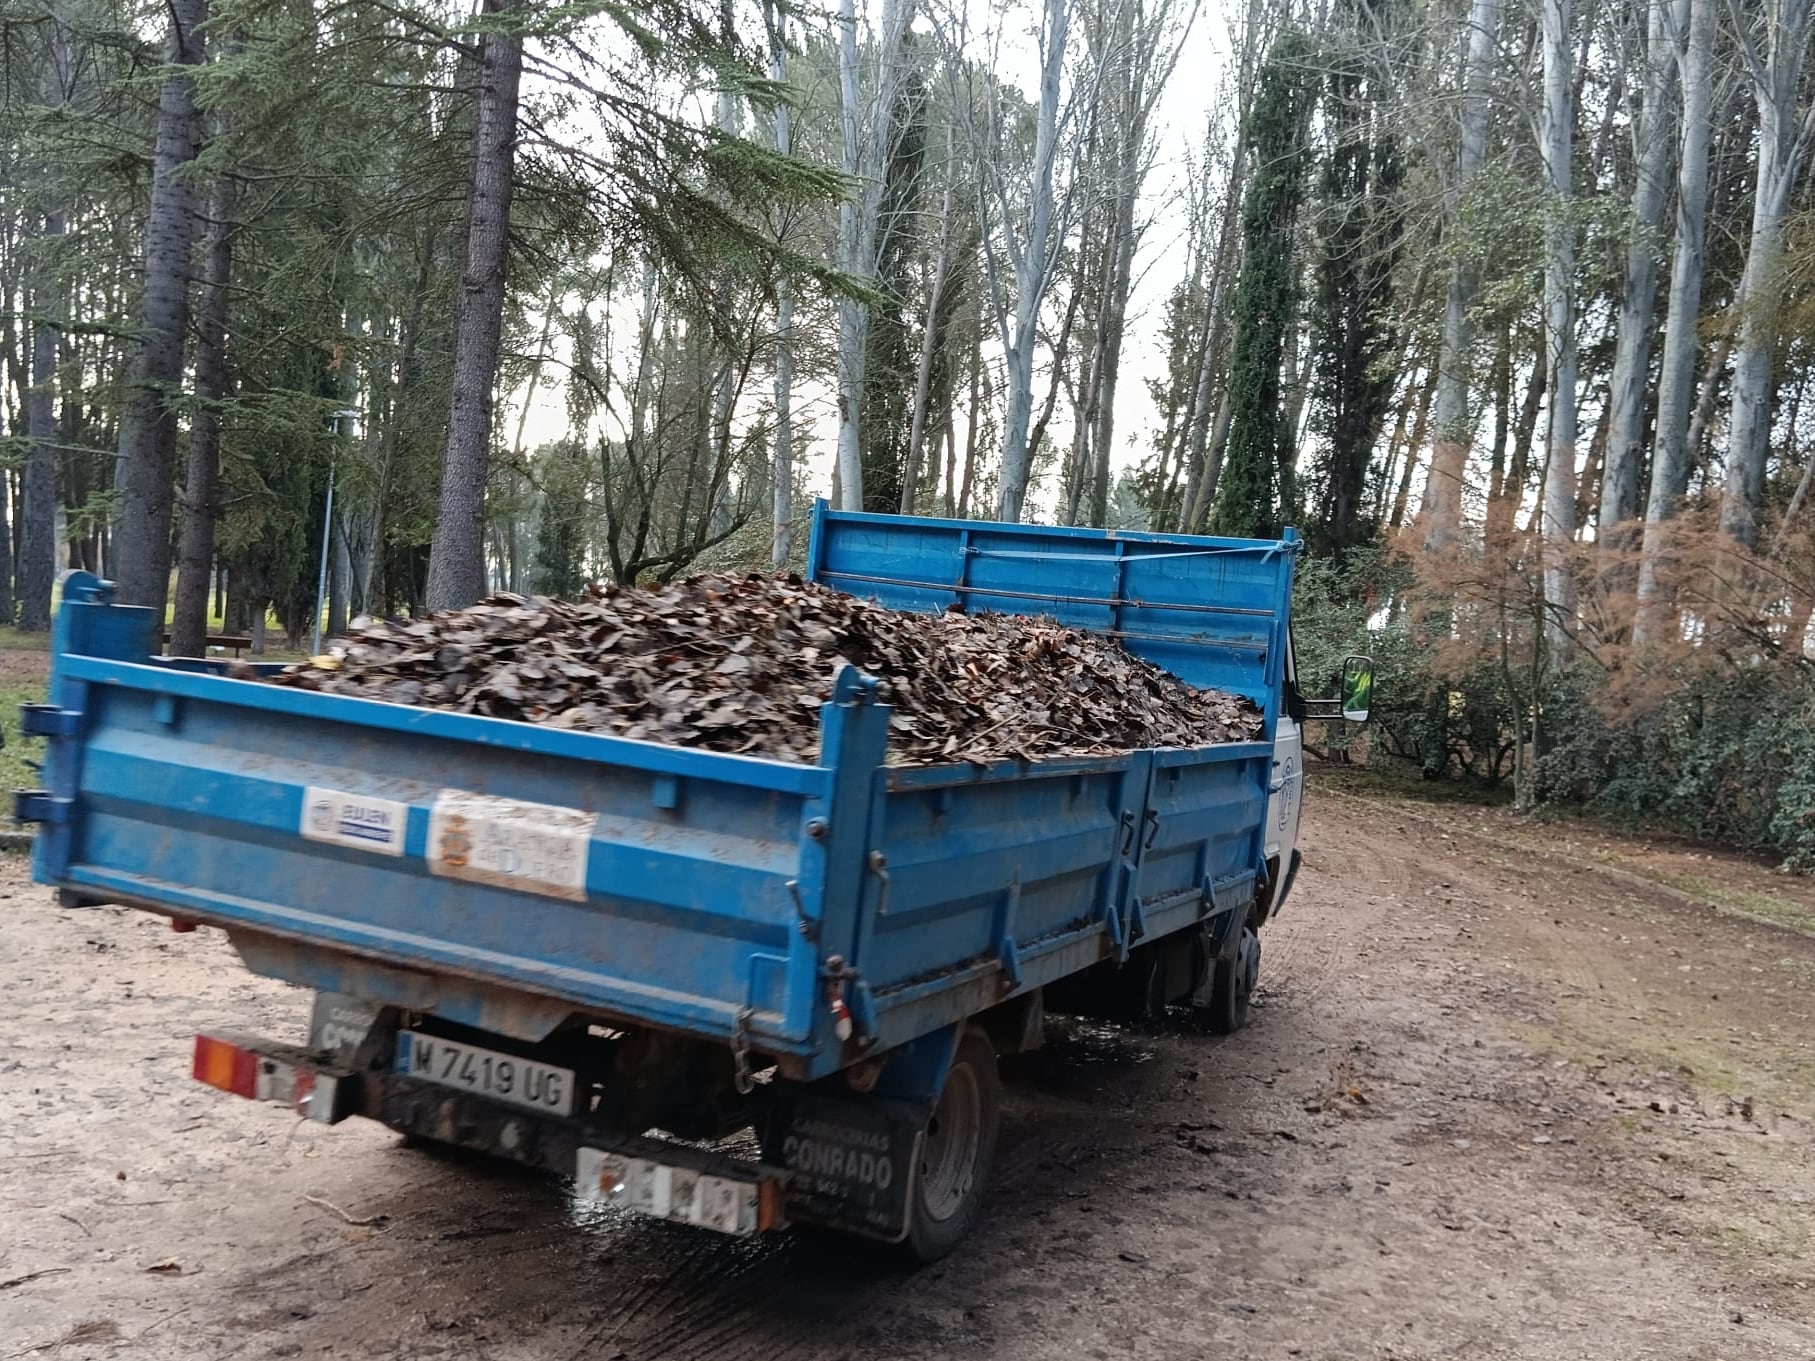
(1375,782)
(12,640)
(24,666)
(14,772)
(1764,908)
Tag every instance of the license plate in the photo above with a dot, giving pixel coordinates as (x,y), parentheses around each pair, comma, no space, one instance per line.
(485,1072)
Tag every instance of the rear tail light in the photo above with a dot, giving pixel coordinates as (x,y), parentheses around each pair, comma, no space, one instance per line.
(273,1075)
(226,1066)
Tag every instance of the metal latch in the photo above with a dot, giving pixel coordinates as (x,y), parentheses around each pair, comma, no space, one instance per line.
(48,720)
(40,805)
(740,1053)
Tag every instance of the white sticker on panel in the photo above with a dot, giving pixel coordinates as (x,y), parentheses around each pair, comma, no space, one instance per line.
(531,847)
(356,820)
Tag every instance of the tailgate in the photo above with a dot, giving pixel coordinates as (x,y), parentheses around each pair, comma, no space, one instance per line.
(671,887)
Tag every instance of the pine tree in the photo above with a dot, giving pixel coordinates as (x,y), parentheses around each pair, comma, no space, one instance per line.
(1257,493)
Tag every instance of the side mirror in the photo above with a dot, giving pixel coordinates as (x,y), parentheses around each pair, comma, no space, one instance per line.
(1357,688)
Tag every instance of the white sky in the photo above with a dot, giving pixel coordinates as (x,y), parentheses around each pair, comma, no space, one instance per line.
(1182,112)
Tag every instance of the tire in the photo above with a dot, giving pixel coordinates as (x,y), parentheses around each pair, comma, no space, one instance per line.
(1233,985)
(957,1153)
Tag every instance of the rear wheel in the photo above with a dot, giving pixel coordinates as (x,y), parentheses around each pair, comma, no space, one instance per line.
(957,1152)
(1233,985)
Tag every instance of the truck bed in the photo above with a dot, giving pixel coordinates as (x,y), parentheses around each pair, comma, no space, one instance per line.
(512,877)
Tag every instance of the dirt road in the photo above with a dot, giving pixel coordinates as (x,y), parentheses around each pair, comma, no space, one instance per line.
(1503,1096)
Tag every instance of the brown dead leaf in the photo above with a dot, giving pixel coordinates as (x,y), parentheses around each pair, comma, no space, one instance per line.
(743,665)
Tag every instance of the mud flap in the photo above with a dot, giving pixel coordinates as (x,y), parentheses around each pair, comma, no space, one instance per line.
(853,1162)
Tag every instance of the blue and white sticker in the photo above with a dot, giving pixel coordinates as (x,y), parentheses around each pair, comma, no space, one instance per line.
(356,820)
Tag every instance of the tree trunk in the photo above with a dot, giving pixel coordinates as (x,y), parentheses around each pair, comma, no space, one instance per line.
(976,420)
(1442,510)
(37,536)
(1112,326)
(1798,499)
(1420,425)
(853,316)
(1032,269)
(1676,367)
(195,558)
(1638,303)
(1782,141)
(781,476)
(1557,127)
(865,161)
(148,417)
(930,335)
(340,573)
(1208,426)
(456,576)
(1502,393)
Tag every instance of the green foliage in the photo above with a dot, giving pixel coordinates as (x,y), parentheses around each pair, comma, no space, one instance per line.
(892,348)
(1793,818)
(1360,225)
(1697,744)
(1257,493)
(1726,754)
(558,556)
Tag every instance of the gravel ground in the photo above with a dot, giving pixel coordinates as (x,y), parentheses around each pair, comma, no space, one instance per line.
(1500,1098)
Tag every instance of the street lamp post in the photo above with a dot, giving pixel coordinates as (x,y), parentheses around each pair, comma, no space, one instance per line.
(327,536)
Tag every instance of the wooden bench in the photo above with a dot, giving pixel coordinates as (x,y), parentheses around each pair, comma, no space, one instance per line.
(236,641)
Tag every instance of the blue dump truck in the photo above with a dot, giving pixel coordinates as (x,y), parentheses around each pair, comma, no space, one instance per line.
(611,959)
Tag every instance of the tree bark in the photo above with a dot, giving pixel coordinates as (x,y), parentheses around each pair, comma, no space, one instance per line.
(37,537)
(853,316)
(1140,38)
(195,557)
(1638,301)
(456,576)
(1442,511)
(340,573)
(1502,515)
(1557,128)
(148,418)
(1420,424)
(1209,426)
(1113,325)
(1032,269)
(930,334)
(781,476)
(1676,365)
(976,420)
(865,160)
(1782,141)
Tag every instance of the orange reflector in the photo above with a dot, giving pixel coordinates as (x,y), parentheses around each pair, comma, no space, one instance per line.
(226,1066)
(772,1204)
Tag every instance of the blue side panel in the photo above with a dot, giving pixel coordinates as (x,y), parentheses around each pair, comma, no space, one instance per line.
(1211,611)
(189,797)
(1202,838)
(979,869)
(722,896)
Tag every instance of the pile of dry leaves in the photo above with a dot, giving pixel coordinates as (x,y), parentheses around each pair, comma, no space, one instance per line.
(742,664)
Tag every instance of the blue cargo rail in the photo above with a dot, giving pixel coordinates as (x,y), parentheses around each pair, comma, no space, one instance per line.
(658,928)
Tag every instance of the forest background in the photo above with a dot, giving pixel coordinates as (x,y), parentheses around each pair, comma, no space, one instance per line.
(1508,305)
